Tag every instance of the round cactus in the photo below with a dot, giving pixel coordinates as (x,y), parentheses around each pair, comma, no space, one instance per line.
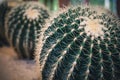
(23,27)
(81,43)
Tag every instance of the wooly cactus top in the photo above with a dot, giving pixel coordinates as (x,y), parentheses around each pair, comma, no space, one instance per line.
(23,27)
(81,43)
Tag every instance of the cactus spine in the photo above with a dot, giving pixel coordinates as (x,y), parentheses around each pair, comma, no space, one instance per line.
(81,43)
(23,27)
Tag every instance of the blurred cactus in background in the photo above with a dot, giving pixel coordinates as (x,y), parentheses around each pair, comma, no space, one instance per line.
(76,2)
(53,5)
(23,27)
(4,9)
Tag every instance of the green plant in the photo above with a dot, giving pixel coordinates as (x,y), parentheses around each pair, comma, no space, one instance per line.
(4,8)
(81,43)
(23,27)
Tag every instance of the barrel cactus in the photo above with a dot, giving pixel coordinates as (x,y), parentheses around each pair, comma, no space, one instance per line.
(81,43)
(23,26)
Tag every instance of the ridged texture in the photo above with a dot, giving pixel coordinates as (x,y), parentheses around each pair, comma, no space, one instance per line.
(82,43)
(23,27)
(4,9)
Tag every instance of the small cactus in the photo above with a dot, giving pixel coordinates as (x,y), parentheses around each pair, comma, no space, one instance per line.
(23,27)
(81,43)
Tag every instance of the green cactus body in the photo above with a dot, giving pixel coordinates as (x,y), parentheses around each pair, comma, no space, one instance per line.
(82,43)
(23,27)
(4,8)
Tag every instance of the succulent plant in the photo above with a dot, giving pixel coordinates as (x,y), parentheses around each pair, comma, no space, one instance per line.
(81,43)
(23,27)
(4,8)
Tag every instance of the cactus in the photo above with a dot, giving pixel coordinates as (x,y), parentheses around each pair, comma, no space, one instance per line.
(4,8)
(23,27)
(81,43)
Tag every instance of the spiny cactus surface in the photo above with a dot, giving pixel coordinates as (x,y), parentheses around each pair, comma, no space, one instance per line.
(23,27)
(82,43)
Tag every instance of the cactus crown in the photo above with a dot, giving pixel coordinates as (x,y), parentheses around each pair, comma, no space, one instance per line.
(23,27)
(81,43)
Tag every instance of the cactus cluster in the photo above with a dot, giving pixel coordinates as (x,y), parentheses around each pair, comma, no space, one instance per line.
(23,26)
(81,43)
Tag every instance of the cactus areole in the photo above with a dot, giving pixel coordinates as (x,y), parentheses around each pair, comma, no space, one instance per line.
(82,43)
(23,27)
